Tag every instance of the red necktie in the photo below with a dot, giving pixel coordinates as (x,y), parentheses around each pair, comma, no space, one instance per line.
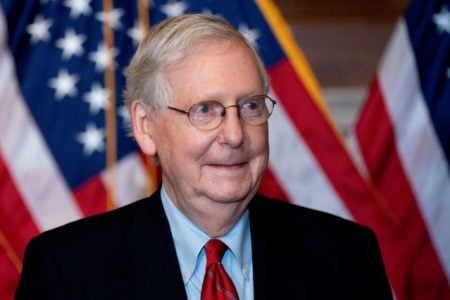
(217,285)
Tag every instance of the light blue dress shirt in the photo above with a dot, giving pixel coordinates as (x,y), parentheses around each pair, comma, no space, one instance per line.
(189,241)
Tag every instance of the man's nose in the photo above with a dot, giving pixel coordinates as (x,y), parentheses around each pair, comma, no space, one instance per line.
(232,130)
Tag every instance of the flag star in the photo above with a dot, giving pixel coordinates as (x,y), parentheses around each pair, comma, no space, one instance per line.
(112,17)
(174,8)
(92,139)
(97,98)
(64,84)
(442,20)
(251,35)
(78,7)
(39,29)
(103,57)
(448,73)
(124,113)
(209,12)
(71,44)
(136,33)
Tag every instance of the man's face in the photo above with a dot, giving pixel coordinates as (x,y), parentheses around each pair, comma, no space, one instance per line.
(202,169)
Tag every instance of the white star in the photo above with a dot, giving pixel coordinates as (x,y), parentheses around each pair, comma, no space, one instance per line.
(103,57)
(78,7)
(39,29)
(92,139)
(250,34)
(173,8)
(207,11)
(71,44)
(123,112)
(97,98)
(448,73)
(112,17)
(136,33)
(442,20)
(64,84)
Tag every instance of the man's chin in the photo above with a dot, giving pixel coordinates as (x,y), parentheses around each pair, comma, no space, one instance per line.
(230,195)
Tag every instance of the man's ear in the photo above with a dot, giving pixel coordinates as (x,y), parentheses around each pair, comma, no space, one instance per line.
(141,126)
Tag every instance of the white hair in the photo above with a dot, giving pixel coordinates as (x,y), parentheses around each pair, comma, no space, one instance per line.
(167,44)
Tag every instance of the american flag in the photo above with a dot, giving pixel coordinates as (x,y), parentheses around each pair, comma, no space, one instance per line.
(64,149)
(403,139)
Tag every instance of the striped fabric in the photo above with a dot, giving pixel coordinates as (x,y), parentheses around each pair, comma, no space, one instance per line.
(217,284)
(403,140)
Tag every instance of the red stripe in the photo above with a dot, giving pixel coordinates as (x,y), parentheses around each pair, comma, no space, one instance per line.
(91,196)
(353,190)
(9,277)
(16,229)
(15,221)
(322,140)
(420,275)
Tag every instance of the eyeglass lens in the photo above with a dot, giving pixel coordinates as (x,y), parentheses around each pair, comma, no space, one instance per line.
(210,114)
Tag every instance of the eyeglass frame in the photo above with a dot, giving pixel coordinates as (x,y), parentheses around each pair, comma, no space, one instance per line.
(223,113)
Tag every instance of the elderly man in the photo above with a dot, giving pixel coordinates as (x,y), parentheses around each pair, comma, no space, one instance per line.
(197,93)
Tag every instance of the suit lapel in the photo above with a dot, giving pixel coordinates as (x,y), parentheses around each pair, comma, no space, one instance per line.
(154,269)
(154,272)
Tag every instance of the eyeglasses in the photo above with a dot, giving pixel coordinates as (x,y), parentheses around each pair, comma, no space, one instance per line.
(208,115)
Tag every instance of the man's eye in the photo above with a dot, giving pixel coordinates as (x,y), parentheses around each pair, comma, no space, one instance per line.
(202,108)
(205,108)
(251,104)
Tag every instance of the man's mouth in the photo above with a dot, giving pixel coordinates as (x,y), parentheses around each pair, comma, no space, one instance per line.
(228,166)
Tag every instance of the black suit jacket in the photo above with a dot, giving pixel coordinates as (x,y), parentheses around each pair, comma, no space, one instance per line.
(129,254)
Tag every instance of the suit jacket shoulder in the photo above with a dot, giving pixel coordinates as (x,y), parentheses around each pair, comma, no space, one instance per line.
(127,253)
(299,253)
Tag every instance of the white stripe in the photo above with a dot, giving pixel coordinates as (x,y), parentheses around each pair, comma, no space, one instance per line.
(420,151)
(131,180)
(31,165)
(357,156)
(298,172)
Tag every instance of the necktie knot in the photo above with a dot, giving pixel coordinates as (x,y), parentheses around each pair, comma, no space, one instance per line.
(215,249)
(217,285)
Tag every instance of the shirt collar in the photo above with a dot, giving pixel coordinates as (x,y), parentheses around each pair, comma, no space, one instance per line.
(190,239)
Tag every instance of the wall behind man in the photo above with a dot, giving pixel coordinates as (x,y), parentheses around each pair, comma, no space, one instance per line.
(343,41)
